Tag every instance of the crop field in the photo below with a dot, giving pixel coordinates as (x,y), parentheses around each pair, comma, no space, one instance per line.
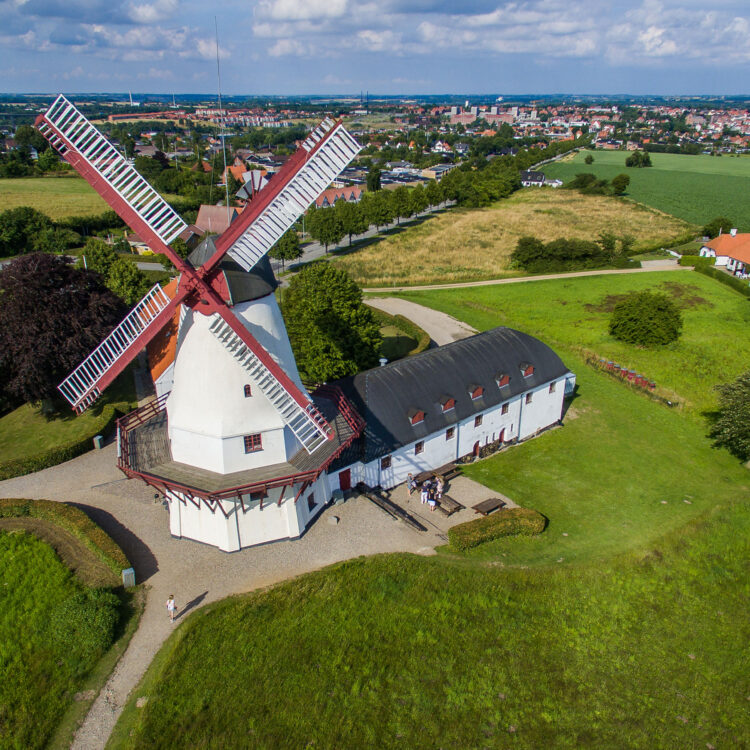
(693,188)
(57,197)
(53,630)
(469,244)
(573,315)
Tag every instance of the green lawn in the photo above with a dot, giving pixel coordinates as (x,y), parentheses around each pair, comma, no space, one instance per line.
(57,197)
(572,315)
(27,432)
(52,633)
(693,188)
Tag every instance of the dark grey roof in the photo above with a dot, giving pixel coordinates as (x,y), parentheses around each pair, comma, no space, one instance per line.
(385,396)
(243,285)
(532,176)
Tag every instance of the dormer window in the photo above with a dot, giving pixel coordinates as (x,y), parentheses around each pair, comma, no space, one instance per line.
(476,391)
(416,416)
(502,379)
(526,369)
(447,403)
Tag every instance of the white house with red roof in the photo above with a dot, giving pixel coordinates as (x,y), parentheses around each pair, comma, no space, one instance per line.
(731,250)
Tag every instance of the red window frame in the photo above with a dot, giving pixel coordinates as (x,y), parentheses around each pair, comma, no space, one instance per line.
(528,370)
(253,443)
(477,393)
(449,404)
(418,417)
(503,380)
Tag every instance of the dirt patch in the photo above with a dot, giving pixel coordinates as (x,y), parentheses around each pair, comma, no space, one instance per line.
(607,304)
(684,296)
(86,566)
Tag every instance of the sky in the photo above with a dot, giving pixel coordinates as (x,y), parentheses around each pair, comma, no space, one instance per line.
(301,47)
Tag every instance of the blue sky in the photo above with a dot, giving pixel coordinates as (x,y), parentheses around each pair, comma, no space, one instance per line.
(384,46)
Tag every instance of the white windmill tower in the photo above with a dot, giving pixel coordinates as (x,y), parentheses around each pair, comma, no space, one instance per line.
(238,441)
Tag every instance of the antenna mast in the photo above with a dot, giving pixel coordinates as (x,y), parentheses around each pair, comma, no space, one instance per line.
(221,121)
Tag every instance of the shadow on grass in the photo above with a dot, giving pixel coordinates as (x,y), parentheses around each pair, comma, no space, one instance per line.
(141,558)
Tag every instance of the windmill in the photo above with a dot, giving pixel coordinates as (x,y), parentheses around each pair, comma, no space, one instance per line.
(219,349)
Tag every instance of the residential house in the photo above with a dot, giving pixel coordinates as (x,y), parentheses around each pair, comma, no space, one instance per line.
(731,251)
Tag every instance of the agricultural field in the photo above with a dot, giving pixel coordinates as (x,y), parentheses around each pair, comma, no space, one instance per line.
(53,631)
(57,197)
(572,315)
(619,624)
(468,244)
(693,188)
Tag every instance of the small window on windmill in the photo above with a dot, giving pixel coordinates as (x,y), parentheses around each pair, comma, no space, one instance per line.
(529,396)
(447,403)
(450,433)
(385,462)
(311,501)
(253,443)
(502,379)
(552,387)
(478,420)
(527,369)
(419,447)
(248,391)
(504,409)
(416,416)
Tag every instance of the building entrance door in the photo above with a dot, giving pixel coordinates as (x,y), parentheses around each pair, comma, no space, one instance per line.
(345,479)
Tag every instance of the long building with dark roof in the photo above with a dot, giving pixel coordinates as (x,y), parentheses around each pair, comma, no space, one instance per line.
(425,411)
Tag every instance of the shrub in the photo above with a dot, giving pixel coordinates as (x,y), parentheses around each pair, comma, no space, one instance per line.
(646,319)
(509,522)
(638,159)
(732,426)
(73,520)
(695,260)
(717,225)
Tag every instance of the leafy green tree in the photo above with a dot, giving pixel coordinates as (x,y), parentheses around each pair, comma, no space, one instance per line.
(638,159)
(419,201)
(148,166)
(29,137)
(731,429)
(401,202)
(620,184)
(166,263)
(333,334)
(129,145)
(717,226)
(49,161)
(373,179)
(377,208)
(55,240)
(287,248)
(19,228)
(97,256)
(646,319)
(434,193)
(127,281)
(180,247)
(589,159)
(52,316)
(233,184)
(351,218)
(324,227)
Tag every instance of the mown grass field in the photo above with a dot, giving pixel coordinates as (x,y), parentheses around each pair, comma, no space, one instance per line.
(621,626)
(468,244)
(53,631)
(57,197)
(693,188)
(573,315)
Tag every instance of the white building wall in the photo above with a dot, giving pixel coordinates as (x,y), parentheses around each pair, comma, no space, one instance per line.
(544,409)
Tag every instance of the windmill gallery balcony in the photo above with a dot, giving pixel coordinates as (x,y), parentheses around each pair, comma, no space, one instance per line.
(144,452)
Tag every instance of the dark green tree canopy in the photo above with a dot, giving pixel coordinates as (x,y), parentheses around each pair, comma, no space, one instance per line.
(638,159)
(731,430)
(620,184)
(718,226)
(52,317)
(287,248)
(19,228)
(646,319)
(333,334)
(373,179)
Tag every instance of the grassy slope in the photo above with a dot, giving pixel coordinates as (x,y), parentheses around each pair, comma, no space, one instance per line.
(39,672)
(572,314)
(57,197)
(26,432)
(693,188)
(476,243)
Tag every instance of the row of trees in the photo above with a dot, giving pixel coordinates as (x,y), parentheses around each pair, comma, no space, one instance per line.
(26,230)
(535,256)
(589,184)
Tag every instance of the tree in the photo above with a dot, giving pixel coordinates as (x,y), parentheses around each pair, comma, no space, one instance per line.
(646,319)
(332,333)
(434,193)
(325,227)
(620,184)
(377,208)
(287,248)
(418,198)
(55,240)
(19,228)
(589,159)
(98,255)
(351,217)
(638,159)
(373,179)
(717,226)
(127,281)
(401,202)
(731,429)
(129,145)
(52,316)
(29,137)
(180,247)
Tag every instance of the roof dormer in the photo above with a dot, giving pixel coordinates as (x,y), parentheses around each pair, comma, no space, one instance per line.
(416,416)
(503,379)
(526,369)
(447,403)
(475,391)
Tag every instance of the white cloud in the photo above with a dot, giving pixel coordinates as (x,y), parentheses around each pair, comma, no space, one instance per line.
(286,47)
(302,10)
(152,12)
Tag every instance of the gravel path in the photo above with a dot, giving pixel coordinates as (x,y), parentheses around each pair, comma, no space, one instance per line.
(442,328)
(197,574)
(647,267)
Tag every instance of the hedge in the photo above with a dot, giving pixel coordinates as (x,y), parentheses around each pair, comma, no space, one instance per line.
(695,260)
(73,520)
(19,466)
(506,522)
(738,284)
(407,326)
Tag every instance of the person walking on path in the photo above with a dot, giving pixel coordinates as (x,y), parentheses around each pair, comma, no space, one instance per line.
(171,607)
(411,484)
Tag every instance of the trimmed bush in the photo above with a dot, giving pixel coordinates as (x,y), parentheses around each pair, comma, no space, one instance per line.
(696,260)
(18,466)
(646,319)
(508,522)
(73,520)
(739,285)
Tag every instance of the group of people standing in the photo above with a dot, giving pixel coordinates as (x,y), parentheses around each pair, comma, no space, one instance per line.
(431,490)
